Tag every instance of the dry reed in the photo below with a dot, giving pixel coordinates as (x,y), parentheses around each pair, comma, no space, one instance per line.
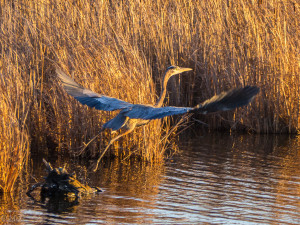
(121,49)
(14,137)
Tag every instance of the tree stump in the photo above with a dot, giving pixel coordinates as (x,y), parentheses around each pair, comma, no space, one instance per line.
(61,183)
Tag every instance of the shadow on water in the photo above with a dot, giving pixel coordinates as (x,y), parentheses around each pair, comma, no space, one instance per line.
(215,179)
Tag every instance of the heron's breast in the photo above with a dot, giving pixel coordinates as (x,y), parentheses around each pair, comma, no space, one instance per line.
(135,123)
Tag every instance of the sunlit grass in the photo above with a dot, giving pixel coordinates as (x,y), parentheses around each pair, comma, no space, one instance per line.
(14,138)
(121,48)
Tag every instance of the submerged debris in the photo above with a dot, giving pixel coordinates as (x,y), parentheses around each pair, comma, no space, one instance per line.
(60,182)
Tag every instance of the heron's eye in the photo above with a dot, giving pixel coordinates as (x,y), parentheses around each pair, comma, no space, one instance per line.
(171,67)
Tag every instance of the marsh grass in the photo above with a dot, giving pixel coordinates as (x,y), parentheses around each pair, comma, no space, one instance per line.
(121,49)
(14,137)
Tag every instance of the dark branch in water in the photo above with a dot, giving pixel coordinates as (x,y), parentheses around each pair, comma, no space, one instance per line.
(60,182)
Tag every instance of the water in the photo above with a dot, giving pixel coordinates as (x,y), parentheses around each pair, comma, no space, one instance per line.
(217,179)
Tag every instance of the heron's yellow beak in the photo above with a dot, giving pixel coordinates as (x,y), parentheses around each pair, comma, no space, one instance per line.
(181,70)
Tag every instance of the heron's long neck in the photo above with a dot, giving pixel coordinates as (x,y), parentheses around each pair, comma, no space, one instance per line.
(163,93)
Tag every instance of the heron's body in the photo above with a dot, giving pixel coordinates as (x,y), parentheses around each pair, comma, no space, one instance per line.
(134,123)
(124,122)
(135,115)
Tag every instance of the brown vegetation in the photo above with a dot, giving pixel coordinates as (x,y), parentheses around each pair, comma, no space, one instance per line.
(121,48)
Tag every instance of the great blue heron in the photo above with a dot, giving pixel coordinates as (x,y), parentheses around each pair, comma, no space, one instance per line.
(135,115)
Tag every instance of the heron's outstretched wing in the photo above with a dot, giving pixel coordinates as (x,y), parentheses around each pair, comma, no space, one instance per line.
(225,101)
(229,100)
(88,97)
(148,112)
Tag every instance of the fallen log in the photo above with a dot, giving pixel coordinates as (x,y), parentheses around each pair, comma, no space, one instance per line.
(59,182)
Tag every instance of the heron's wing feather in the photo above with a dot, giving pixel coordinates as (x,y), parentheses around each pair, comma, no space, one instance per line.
(88,97)
(150,113)
(225,101)
(232,99)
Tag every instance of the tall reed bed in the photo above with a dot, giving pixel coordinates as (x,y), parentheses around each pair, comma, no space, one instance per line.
(121,48)
(14,136)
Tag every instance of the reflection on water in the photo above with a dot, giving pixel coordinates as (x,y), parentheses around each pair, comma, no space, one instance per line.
(215,179)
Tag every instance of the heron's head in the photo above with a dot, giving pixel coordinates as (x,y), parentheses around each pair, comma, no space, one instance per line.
(173,70)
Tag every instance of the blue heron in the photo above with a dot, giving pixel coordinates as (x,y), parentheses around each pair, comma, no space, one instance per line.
(135,115)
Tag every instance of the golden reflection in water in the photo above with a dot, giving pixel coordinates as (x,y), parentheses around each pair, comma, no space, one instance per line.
(133,177)
(132,184)
(9,209)
(256,175)
(269,164)
(244,178)
(127,186)
(288,176)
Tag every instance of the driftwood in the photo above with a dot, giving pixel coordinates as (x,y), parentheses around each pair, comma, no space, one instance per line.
(59,182)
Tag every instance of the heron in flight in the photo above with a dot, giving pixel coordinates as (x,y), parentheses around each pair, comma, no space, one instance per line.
(135,115)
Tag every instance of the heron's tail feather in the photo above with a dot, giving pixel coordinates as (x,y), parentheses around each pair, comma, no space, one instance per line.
(232,99)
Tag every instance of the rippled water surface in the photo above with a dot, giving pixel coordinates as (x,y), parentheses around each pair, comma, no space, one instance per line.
(214,179)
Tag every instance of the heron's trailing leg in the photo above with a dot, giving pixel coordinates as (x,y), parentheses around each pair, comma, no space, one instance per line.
(110,143)
(86,145)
